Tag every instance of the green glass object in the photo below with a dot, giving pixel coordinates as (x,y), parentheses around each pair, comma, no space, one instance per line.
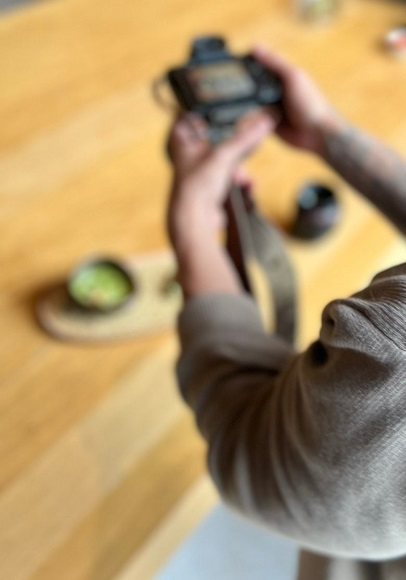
(101,285)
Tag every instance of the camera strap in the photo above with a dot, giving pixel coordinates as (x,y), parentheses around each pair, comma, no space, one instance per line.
(253,240)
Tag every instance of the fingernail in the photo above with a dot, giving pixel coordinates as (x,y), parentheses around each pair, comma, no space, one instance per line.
(266,123)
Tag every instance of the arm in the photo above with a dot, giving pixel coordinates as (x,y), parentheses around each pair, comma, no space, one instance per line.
(202,178)
(203,265)
(311,445)
(370,167)
(311,123)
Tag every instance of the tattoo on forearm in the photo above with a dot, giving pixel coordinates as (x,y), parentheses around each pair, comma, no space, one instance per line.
(375,170)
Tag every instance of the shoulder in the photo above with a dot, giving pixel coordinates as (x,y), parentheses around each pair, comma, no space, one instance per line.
(374,316)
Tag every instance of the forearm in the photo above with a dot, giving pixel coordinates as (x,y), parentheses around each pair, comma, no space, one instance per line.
(376,171)
(203,265)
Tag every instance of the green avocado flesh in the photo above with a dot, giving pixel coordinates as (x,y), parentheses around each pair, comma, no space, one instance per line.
(100,286)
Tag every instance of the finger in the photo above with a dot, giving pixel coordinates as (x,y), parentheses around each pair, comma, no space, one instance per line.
(197,126)
(187,138)
(248,136)
(176,137)
(186,128)
(274,62)
(276,113)
(242,178)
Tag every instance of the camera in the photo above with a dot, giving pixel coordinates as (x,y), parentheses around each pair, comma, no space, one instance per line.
(222,87)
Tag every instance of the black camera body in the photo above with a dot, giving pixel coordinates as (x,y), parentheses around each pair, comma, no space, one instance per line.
(222,87)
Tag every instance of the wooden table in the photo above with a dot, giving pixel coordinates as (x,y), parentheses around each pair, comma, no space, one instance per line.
(102,473)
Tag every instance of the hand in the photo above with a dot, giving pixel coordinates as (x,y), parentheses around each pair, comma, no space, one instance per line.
(203,174)
(306,110)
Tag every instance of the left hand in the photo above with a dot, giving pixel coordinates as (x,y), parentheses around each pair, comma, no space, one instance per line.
(203,174)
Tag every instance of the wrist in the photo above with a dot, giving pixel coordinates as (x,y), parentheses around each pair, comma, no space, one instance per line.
(331,124)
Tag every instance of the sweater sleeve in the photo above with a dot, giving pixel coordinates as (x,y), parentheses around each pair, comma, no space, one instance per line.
(313,444)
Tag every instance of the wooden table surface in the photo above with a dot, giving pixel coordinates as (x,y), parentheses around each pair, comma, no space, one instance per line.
(101,470)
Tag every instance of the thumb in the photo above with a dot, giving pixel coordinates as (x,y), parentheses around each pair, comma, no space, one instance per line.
(249,134)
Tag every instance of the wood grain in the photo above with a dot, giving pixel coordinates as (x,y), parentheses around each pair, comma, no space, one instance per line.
(102,471)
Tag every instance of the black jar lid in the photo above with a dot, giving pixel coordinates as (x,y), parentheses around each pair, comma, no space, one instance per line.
(317,211)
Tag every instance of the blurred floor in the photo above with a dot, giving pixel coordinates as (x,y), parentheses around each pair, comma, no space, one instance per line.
(227,547)
(102,471)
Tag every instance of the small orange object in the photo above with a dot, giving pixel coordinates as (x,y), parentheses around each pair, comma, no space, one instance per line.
(395,41)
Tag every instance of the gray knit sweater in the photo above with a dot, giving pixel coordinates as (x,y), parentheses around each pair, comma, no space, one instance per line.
(313,445)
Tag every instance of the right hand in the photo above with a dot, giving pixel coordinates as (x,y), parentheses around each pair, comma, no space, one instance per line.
(306,111)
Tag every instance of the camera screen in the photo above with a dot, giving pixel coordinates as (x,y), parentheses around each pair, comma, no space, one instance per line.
(221,81)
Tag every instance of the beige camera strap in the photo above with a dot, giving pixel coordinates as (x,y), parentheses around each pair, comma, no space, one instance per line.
(253,240)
